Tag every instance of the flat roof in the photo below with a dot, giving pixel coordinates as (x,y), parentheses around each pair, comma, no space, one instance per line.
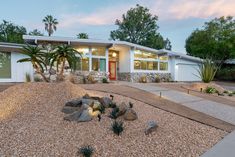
(9,47)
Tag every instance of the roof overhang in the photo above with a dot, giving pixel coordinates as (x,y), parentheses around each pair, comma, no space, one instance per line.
(10,47)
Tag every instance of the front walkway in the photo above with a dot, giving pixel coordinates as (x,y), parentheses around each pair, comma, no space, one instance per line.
(214,109)
(154,100)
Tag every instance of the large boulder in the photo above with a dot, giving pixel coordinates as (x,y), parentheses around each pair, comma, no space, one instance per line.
(151,126)
(85,116)
(74,103)
(89,101)
(130,114)
(122,109)
(105,101)
(96,105)
(74,116)
(69,109)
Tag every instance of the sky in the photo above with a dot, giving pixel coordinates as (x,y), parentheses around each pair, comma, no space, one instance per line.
(177,18)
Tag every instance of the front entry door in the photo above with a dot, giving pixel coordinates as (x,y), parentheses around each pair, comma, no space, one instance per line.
(112,70)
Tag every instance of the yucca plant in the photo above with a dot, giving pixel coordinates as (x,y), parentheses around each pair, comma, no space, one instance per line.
(86,151)
(114,113)
(27,77)
(207,70)
(117,127)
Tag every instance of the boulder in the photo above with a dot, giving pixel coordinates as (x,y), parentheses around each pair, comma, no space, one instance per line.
(96,113)
(69,109)
(89,102)
(74,116)
(96,105)
(105,101)
(151,126)
(74,103)
(86,96)
(85,116)
(130,114)
(122,109)
(52,71)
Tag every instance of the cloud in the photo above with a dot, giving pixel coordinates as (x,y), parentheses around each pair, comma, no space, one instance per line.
(165,9)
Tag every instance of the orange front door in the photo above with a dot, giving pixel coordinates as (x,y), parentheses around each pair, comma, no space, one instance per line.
(112,70)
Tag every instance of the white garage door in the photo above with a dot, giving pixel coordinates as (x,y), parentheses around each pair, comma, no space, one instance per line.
(188,72)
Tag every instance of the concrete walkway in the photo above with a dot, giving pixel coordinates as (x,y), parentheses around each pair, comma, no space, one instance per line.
(224,148)
(214,109)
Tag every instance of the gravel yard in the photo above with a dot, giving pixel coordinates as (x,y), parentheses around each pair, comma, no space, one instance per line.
(31,124)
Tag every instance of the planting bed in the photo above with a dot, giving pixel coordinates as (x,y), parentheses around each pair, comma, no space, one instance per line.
(32,124)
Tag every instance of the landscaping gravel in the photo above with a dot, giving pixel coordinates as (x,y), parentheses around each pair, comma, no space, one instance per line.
(31,124)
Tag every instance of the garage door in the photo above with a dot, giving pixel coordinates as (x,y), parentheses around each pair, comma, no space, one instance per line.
(188,72)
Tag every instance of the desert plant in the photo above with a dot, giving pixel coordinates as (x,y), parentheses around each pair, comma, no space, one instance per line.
(37,79)
(86,151)
(157,79)
(143,79)
(226,92)
(207,70)
(50,24)
(36,57)
(131,105)
(230,94)
(210,90)
(64,53)
(114,113)
(112,105)
(91,78)
(105,80)
(101,109)
(27,77)
(117,127)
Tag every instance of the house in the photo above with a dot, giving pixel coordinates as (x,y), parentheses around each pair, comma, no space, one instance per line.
(123,60)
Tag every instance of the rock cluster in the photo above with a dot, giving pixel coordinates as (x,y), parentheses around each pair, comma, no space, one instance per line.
(84,109)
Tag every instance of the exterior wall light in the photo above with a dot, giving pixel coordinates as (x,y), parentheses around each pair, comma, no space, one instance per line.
(114,54)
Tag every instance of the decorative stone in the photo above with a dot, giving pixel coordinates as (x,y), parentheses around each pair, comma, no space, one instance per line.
(89,102)
(69,109)
(86,96)
(96,105)
(74,116)
(130,115)
(74,103)
(52,71)
(85,116)
(122,109)
(96,113)
(151,126)
(105,101)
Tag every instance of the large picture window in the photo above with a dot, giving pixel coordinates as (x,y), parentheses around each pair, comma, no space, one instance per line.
(145,65)
(98,64)
(163,66)
(98,51)
(144,55)
(5,65)
(83,64)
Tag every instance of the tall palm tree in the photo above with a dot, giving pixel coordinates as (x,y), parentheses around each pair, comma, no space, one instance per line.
(82,36)
(50,24)
(62,54)
(36,57)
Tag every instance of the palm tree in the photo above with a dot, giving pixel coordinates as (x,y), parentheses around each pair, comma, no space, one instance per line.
(82,36)
(50,24)
(62,54)
(36,57)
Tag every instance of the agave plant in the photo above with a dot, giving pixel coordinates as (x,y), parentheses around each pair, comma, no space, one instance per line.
(207,70)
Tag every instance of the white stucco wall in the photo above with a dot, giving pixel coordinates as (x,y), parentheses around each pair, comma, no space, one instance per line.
(124,59)
(184,70)
(18,70)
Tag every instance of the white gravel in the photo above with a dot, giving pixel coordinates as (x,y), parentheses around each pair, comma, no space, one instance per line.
(31,124)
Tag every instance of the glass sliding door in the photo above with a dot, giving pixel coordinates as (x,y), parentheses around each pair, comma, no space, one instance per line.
(5,65)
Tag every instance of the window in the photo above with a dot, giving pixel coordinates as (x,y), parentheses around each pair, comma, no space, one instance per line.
(83,64)
(98,51)
(84,50)
(5,65)
(163,58)
(163,66)
(144,54)
(145,65)
(98,64)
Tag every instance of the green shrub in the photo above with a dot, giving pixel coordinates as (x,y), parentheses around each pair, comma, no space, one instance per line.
(207,70)
(157,79)
(37,79)
(112,105)
(226,92)
(105,80)
(226,74)
(102,109)
(114,113)
(230,94)
(86,151)
(117,127)
(143,79)
(27,77)
(210,90)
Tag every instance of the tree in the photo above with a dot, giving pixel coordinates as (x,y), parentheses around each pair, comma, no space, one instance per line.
(215,40)
(167,44)
(50,24)
(36,57)
(9,32)
(82,36)
(62,54)
(36,33)
(139,26)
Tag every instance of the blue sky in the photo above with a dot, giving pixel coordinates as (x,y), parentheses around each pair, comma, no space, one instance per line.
(177,18)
